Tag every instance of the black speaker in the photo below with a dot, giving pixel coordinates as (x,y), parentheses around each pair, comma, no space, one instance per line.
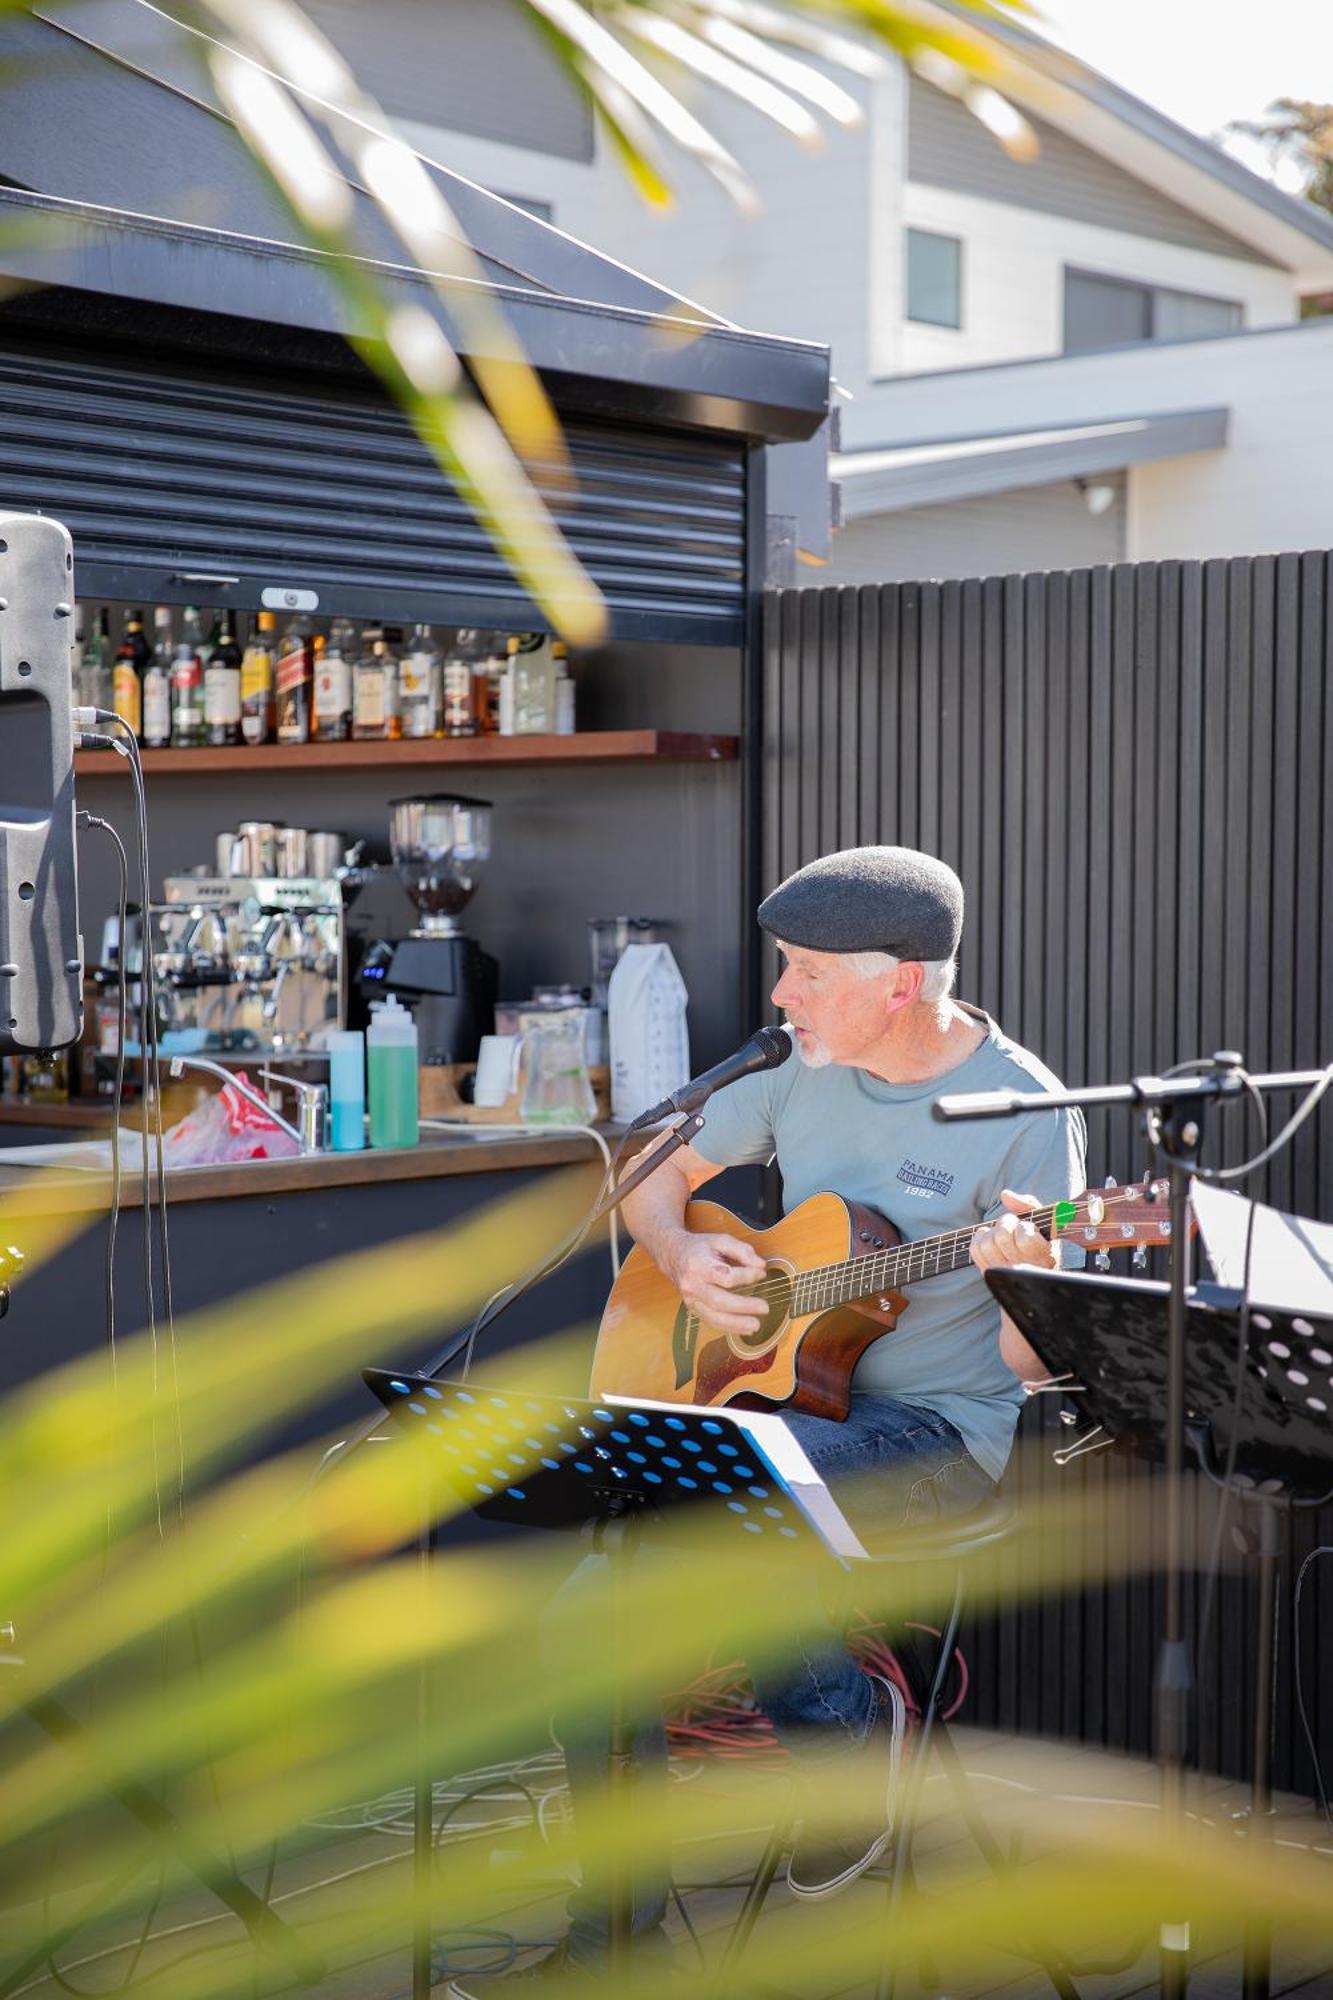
(41,952)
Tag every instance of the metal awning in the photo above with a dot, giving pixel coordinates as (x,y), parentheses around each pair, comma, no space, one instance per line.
(887,480)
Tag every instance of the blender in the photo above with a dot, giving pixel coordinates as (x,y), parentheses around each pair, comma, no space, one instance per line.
(439,845)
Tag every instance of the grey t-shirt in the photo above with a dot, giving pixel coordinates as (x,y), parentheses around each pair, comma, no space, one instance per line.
(845,1131)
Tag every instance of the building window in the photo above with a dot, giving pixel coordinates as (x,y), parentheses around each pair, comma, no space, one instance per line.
(1111,312)
(934,278)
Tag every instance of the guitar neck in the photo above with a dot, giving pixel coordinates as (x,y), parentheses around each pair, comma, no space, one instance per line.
(903,1264)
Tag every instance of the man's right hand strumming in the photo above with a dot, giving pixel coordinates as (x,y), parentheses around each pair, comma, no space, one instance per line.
(707,1270)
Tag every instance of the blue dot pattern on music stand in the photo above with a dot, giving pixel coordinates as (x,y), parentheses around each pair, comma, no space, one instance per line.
(628,1454)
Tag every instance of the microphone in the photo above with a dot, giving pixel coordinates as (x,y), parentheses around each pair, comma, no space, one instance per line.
(766,1049)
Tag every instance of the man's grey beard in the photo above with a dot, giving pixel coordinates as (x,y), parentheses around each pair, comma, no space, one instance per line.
(814,1057)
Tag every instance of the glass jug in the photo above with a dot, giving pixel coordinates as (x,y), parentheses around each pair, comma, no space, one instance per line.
(556,1089)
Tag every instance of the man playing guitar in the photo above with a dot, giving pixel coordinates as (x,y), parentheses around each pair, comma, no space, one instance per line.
(868,939)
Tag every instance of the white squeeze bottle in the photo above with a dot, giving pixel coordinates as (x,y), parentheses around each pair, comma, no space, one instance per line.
(391,1074)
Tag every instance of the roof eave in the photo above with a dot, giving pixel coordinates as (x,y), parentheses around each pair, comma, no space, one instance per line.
(598,359)
(1069,93)
(885,487)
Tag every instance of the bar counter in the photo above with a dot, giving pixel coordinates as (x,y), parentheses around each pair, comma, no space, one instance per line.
(235,1230)
(465,1150)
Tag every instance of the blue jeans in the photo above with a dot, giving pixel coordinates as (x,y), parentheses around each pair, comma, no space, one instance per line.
(908,1466)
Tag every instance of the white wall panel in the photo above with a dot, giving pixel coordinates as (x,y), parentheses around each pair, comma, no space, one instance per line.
(1013,280)
(1039,528)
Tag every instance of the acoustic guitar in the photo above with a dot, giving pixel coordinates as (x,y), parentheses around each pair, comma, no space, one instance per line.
(834,1281)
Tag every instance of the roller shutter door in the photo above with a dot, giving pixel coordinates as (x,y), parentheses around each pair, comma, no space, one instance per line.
(169,483)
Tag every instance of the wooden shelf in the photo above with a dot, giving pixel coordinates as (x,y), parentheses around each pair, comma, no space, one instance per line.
(602,746)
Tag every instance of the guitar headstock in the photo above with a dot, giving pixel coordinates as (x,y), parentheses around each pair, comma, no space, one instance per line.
(1133,1217)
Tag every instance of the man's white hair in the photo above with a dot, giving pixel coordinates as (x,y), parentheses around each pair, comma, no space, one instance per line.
(938,973)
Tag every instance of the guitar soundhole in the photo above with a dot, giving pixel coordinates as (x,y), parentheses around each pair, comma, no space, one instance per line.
(774,1288)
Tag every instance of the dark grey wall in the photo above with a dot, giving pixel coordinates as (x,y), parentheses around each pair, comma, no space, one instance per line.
(947,147)
(1131,769)
(569,844)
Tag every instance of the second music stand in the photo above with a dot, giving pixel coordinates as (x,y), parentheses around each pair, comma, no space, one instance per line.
(1104,1342)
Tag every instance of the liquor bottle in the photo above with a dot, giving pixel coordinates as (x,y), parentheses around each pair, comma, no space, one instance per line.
(533,673)
(98,691)
(132,655)
(333,684)
(564,690)
(222,684)
(157,684)
(375,691)
(392,664)
(294,676)
(420,689)
(257,681)
(187,684)
(495,668)
(463,686)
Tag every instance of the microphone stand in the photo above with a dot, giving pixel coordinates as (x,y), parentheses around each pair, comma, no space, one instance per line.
(1174,1110)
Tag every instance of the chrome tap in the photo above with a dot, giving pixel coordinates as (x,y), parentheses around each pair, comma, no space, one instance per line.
(241,1083)
(311,1100)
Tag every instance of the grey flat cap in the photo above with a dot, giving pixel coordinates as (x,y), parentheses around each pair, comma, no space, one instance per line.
(892,899)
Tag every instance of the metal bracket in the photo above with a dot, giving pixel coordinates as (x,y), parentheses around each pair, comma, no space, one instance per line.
(1062,1383)
(1095,1440)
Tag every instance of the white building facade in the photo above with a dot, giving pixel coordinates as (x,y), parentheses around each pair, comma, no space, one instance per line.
(1124,274)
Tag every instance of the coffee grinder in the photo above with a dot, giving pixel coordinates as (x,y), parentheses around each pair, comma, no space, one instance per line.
(439,846)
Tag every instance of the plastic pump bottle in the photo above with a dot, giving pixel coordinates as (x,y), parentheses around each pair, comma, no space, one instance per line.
(391,1073)
(347,1090)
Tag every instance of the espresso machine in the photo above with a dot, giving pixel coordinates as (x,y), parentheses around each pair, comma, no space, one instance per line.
(249,963)
(439,845)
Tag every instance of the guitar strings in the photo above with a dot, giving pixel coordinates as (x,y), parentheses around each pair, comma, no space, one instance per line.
(806,1281)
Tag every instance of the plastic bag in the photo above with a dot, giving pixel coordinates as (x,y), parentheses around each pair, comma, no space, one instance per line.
(232,1125)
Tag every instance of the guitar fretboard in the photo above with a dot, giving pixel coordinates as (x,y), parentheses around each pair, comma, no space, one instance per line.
(889,1270)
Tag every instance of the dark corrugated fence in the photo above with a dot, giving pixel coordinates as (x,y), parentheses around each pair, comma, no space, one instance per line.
(1130,768)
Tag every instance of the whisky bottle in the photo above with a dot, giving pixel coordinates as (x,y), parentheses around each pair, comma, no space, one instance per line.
(127,674)
(375,691)
(294,677)
(257,681)
(420,689)
(333,684)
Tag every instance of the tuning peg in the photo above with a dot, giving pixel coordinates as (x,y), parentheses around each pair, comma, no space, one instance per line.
(1102,1260)
(1140,1259)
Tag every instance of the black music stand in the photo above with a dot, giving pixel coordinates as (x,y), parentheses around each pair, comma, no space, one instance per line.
(617,1470)
(1104,1342)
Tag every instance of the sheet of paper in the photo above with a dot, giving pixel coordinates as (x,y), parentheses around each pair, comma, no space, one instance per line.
(1291,1261)
(789,1462)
